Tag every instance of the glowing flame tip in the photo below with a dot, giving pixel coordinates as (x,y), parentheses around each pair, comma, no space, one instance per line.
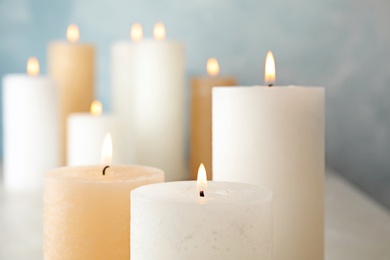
(269,77)
(136,32)
(212,67)
(73,33)
(159,31)
(106,157)
(33,66)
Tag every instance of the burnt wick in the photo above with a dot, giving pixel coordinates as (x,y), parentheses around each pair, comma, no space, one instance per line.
(201,193)
(104,169)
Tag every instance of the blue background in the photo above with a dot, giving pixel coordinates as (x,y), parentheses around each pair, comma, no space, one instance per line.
(343,45)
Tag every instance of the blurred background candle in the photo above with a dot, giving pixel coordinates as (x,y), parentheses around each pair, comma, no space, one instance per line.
(173,221)
(71,64)
(122,83)
(274,137)
(30,128)
(86,132)
(200,136)
(158,118)
(87,214)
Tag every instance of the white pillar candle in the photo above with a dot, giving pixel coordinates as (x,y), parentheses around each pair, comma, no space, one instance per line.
(87,214)
(31,144)
(122,82)
(171,221)
(86,132)
(159,105)
(274,137)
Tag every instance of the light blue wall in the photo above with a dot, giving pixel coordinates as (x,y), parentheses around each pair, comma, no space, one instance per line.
(341,44)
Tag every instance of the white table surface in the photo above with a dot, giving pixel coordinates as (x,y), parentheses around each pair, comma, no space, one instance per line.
(357,228)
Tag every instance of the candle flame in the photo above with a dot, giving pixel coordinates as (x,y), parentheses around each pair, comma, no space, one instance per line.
(269,68)
(136,32)
(106,157)
(73,33)
(212,67)
(159,32)
(201,183)
(96,108)
(33,66)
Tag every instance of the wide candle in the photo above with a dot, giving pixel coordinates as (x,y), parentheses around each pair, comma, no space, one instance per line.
(211,220)
(274,137)
(30,108)
(87,209)
(200,134)
(86,132)
(122,83)
(71,64)
(158,96)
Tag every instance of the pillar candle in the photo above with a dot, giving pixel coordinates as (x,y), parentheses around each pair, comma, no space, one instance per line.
(122,83)
(200,135)
(172,221)
(71,64)
(30,128)
(86,132)
(158,104)
(87,214)
(274,137)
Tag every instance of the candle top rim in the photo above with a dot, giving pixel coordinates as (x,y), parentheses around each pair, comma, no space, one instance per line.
(114,174)
(66,42)
(278,87)
(182,192)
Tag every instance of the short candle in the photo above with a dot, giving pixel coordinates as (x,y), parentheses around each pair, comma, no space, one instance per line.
(87,209)
(173,221)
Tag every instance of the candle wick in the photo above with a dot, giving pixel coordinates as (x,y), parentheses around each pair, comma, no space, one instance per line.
(270,85)
(104,169)
(201,193)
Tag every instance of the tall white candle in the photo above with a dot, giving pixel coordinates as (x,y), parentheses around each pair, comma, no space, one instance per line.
(31,144)
(171,221)
(87,209)
(274,137)
(86,132)
(122,82)
(159,105)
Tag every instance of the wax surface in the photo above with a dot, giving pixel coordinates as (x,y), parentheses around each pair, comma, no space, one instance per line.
(72,66)
(274,137)
(171,221)
(122,82)
(158,107)
(200,135)
(87,215)
(86,133)
(30,130)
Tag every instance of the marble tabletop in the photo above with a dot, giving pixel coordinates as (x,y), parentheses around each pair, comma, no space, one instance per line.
(357,228)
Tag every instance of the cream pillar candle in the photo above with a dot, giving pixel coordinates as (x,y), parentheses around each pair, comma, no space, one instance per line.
(159,105)
(122,83)
(274,137)
(86,132)
(171,221)
(200,133)
(30,128)
(71,64)
(87,214)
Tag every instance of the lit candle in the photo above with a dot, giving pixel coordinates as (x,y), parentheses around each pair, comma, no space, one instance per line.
(71,64)
(87,209)
(122,82)
(158,104)
(30,128)
(274,137)
(86,132)
(200,135)
(201,220)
